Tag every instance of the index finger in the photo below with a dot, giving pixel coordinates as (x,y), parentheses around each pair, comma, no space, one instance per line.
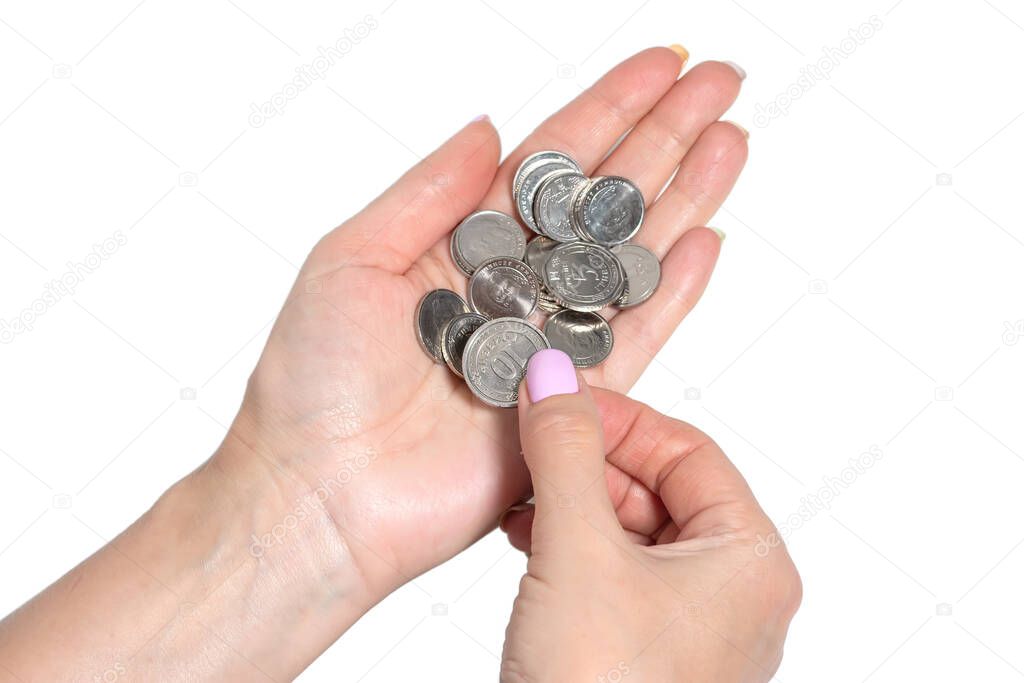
(702,490)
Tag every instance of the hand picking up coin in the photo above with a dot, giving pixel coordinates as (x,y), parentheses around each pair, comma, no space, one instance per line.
(578,262)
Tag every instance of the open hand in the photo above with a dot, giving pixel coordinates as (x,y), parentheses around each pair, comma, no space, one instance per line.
(344,404)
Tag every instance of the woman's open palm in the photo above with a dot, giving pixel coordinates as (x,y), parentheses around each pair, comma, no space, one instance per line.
(343,399)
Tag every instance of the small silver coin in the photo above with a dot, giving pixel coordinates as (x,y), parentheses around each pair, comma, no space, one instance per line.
(551,204)
(537,251)
(504,287)
(453,340)
(546,155)
(585,337)
(434,312)
(494,360)
(533,175)
(643,273)
(609,211)
(546,304)
(574,205)
(583,276)
(484,235)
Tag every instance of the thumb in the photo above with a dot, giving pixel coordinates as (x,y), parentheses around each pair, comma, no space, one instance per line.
(563,445)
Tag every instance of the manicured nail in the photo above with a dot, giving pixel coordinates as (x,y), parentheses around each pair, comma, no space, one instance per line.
(482,117)
(746,133)
(550,372)
(683,53)
(720,233)
(737,68)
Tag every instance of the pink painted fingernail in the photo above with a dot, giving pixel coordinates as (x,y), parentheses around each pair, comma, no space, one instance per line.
(549,373)
(482,117)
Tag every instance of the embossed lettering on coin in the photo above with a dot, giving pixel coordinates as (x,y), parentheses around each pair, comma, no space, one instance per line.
(504,287)
(583,276)
(609,212)
(456,333)
(643,273)
(552,202)
(494,360)
(546,155)
(532,177)
(434,312)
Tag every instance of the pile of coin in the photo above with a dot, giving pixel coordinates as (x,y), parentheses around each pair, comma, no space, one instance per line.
(578,262)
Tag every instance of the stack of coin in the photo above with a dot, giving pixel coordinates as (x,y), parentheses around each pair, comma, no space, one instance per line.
(578,262)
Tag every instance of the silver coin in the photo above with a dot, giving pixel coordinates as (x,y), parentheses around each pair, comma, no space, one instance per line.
(435,310)
(585,337)
(574,205)
(494,360)
(483,235)
(551,204)
(533,175)
(584,276)
(537,251)
(504,287)
(643,273)
(456,333)
(609,211)
(546,155)
(546,304)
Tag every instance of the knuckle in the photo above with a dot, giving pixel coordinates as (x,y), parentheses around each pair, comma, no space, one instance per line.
(563,427)
(792,590)
(783,587)
(682,436)
(728,133)
(676,439)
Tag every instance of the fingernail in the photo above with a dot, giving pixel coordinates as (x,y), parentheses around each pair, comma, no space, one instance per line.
(683,53)
(737,68)
(746,133)
(482,117)
(506,513)
(549,373)
(720,233)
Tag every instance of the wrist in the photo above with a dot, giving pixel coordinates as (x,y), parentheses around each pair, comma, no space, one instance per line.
(196,587)
(326,490)
(279,524)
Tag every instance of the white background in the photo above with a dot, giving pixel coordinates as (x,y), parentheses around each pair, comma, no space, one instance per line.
(868,294)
